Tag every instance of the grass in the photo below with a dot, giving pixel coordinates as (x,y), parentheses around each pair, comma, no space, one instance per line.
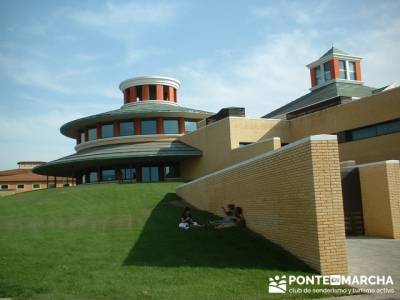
(113,241)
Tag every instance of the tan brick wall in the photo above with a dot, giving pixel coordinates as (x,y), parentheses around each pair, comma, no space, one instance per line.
(380,192)
(219,143)
(292,196)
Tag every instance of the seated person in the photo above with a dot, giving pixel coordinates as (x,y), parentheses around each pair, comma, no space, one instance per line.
(187,220)
(237,220)
(228,216)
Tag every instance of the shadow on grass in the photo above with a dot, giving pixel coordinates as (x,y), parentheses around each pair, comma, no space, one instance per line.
(162,243)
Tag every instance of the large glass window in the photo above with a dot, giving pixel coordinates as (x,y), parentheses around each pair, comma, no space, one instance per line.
(20,186)
(190,126)
(363,133)
(107,131)
(150,174)
(149,127)
(83,137)
(93,176)
(4,186)
(171,127)
(108,174)
(36,185)
(327,71)
(318,74)
(92,134)
(128,173)
(342,69)
(390,127)
(171,170)
(139,92)
(352,70)
(127,128)
(152,92)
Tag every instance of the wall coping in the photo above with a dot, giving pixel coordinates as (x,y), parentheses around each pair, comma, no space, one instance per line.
(312,138)
(384,162)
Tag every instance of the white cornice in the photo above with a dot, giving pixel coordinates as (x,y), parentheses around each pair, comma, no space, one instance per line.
(144,102)
(149,80)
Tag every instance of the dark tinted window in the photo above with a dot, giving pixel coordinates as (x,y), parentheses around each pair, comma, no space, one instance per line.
(92,134)
(171,127)
(166,92)
(152,92)
(107,131)
(139,92)
(149,127)
(127,128)
(107,175)
(171,171)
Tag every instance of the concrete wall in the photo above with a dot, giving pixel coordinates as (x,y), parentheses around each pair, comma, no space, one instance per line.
(292,196)
(380,191)
(219,143)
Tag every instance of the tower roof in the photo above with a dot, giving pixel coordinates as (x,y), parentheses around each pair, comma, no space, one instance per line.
(334,51)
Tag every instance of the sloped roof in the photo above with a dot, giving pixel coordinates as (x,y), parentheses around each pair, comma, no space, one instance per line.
(334,51)
(329,91)
(117,154)
(143,109)
(21,175)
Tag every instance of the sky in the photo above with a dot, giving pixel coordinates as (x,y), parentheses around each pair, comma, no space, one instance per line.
(61,60)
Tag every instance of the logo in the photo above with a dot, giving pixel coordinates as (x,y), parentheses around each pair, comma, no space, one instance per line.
(277,285)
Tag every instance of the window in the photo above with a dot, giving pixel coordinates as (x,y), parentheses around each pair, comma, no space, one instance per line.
(152,92)
(20,186)
(84,178)
(92,134)
(108,175)
(139,92)
(82,137)
(4,186)
(242,144)
(127,128)
(352,70)
(93,177)
(342,69)
(107,131)
(171,170)
(150,174)
(128,173)
(190,126)
(149,127)
(36,186)
(171,127)
(318,74)
(66,185)
(327,71)
(370,131)
(127,93)
(166,92)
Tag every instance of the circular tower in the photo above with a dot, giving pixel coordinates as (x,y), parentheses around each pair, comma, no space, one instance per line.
(138,142)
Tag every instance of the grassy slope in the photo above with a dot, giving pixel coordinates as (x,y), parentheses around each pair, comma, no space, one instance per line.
(122,242)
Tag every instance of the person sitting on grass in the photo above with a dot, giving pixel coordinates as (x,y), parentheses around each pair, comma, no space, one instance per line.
(227,219)
(187,220)
(237,220)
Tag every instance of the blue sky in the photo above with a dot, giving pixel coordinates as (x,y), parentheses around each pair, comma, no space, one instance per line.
(60,60)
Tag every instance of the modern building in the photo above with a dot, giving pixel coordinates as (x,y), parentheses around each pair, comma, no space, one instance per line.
(23,179)
(307,174)
(138,142)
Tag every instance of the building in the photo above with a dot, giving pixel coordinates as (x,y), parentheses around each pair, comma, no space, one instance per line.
(307,174)
(137,143)
(23,179)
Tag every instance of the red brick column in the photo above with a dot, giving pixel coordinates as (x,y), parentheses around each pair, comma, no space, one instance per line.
(132,94)
(116,128)
(181,122)
(358,70)
(171,94)
(161,171)
(160,126)
(125,96)
(98,131)
(336,72)
(138,168)
(146,92)
(159,92)
(313,77)
(175,95)
(138,126)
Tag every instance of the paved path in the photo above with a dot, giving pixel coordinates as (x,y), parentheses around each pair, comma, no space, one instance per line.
(375,256)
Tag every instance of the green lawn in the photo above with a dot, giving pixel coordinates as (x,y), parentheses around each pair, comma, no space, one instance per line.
(113,241)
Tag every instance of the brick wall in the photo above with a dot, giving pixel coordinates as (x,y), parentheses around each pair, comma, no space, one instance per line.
(380,192)
(292,196)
